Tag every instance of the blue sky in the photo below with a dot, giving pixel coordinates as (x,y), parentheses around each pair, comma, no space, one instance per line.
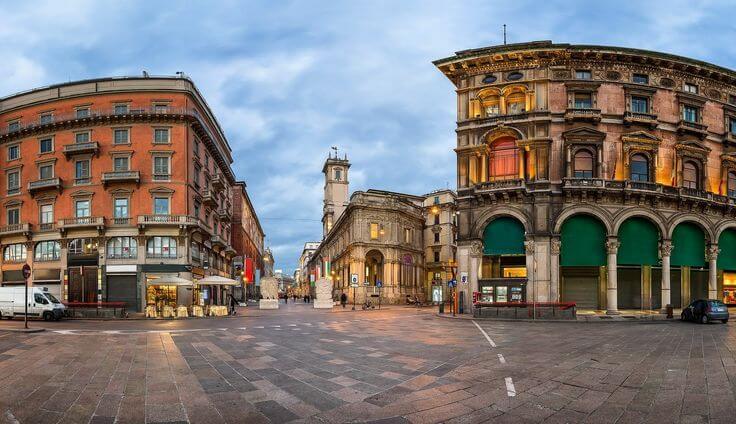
(289,79)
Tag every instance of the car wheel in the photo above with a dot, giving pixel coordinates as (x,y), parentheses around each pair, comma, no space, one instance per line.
(704,319)
(47,316)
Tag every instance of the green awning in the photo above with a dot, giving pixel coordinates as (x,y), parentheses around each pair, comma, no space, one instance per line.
(638,242)
(583,242)
(503,236)
(689,245)
(727,255)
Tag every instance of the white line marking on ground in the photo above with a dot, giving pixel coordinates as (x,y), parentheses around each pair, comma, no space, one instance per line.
(510,389)
(292,325)
(242,328)
(276,326)
(258,326)
(485,334)
(501,358)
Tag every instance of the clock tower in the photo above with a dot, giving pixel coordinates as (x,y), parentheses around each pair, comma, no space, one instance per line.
(336,190)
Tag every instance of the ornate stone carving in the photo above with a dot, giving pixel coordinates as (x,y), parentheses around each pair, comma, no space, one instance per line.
(612,245)
(555,245)
(476,248)
(712,252)
(667,82)
(665,249)
(613,75)
(529,247)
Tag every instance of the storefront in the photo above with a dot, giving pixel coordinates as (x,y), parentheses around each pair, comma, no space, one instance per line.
(122,285)
(503,273)
(727,264)
(582,261)
(164,291)
(49,278)
(688,257)
(13,277)
(220,286)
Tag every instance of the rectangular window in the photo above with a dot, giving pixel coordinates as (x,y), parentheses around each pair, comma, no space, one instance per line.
(46,118)
(13,216)
(161,108)
(640,78)
(374,231)
(161,168)
(436,200)
(690,114)
(639,104)
(161,205)
(196,210)
(436,256)
(732,99)
(82,137)
(121,207)
(121,136)
(436,237)
(14,182)
(407,235)
(691,88)
(195,177)
(81,209)
(14,126)
(82,112)
(161,135)
(120,163)
(196,147)
(46,145)
(120,109)
(46,171)
(47,214)
(583,101)
(81,172)
(437,219)
(13,152)
(732,125)
(583,74)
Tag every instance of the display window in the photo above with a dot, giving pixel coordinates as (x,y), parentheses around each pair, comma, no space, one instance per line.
(160,296)
(729,288)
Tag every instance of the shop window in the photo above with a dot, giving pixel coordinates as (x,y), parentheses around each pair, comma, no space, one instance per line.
(504,160)
(82,246)
(15,253)
(122,248)
(731,184)
(690,175)
(639,168)
(583,164)
(161,247)
(47,251)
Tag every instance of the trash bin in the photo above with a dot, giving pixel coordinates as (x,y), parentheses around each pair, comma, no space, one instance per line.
(442,307)
(670,311)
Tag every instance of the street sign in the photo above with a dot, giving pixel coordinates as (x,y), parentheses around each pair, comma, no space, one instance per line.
(26,271)
(354,279)
(379,284)
(464,277)
(452,283)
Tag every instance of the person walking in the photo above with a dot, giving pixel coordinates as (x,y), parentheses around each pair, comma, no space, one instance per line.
(343,300)
(232,305)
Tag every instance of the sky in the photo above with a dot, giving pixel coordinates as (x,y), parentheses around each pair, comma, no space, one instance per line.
(289,79)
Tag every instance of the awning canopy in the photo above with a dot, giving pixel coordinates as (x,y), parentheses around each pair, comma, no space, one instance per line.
(169,281)
(216,280)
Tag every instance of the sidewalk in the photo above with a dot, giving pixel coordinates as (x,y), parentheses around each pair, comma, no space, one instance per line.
(587,316)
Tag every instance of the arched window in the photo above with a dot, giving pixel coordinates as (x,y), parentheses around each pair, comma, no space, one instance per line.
(338,174)
(504,160)
(516,103)
(14,253)
(47,251)
(81,246)
(731,184)
(122,248)
(583,164)
(690,175)
(639,168)
(161,247)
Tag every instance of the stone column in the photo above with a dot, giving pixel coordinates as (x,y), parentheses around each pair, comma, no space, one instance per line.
(665,252)
(713,271)
(554,269)
(612,267)
(532,294)
(476,255)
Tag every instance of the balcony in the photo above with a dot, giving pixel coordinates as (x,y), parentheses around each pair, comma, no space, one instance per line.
(209,199)
(46,226)
(217,241)
(646,119)
(166,220)
(218,182)
(44,184)
(82,222)
(121,177)
(583,183)
(15,229)
(121,222)
(490,186)
(694,128)
(90,147)
(583,114)
(223,215)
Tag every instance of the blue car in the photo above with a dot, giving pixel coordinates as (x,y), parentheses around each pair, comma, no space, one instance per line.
(705,311)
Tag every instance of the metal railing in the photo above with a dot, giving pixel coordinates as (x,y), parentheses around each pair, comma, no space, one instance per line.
(82,221)
(15,228)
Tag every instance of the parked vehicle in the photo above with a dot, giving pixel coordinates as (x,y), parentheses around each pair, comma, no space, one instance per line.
(704,311)
(41,303)
(368,305)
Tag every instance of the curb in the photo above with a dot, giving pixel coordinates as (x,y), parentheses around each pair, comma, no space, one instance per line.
(566,321)
(23,330)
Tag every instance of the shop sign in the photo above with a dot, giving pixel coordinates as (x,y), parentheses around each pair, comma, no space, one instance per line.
(119,269)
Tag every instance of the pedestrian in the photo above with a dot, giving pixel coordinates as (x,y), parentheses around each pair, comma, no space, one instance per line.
(305,298)
(343,299)
(286,299)
(232,305)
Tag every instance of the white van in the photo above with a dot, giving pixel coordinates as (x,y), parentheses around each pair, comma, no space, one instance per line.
(41,303)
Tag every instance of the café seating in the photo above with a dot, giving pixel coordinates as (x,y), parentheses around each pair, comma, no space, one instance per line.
(168,312)
(181,312)
(197,311)
(151,311)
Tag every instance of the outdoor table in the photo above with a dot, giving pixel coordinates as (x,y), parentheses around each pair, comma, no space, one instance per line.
(150,311)
(197,311)
(168,312)
(181,312)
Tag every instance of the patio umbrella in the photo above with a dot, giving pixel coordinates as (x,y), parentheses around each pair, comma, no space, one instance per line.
(170,281)
(216,280)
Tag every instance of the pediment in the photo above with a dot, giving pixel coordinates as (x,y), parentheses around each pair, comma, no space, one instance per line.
(161,190)
(641,136)
(584,134)
(121,191)
(82,193)
(11,203)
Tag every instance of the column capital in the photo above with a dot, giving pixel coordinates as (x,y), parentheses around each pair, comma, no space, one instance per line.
(476,248)
(612,245)
(665,248)
(529,247)
(712,252)
(554,245)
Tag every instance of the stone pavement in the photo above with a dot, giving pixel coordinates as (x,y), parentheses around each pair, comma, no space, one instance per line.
(399,365)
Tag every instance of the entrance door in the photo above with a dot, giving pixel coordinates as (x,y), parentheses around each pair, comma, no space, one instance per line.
(580,285)
(698,284)
(83,284)
(629,288)
(123,288)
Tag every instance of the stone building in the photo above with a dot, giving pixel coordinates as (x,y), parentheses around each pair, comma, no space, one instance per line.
(605,176)
(439,242)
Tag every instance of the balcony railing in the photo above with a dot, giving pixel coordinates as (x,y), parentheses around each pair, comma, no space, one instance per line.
(643,185)
(121,177)
(217,241)
(44,184)
(583,182)
(81,148)
(583,114)
(640,118)
(15,229)
(701,130)
(46,226)
(218,182)
(121,222)
(500,185)
(82,221)
(181,220)
(209,199)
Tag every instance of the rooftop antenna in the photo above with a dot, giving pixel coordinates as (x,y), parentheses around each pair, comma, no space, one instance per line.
(504,34)
(145,74)
(335,149)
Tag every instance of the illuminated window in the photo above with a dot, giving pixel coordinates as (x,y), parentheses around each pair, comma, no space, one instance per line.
(639,168)
(690,175)
(374,231)
(583,164)
(504,160)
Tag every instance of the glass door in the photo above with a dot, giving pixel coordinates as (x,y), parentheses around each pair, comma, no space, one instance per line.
(502,293)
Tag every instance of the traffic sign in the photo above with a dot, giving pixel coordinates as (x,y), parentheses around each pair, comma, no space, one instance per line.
(379,284)
(26,271)
(452,283)
(354,279)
